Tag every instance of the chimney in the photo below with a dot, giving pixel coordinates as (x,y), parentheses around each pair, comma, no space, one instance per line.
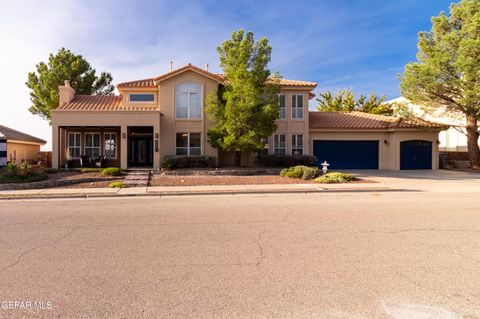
(171,66)
(206,67)
(65,93)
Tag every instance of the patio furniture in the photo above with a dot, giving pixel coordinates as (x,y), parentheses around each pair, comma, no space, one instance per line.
(85,161)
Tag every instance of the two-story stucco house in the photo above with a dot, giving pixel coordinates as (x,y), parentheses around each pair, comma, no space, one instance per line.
(164,115)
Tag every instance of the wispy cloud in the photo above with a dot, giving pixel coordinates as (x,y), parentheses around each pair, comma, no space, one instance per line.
(341,44)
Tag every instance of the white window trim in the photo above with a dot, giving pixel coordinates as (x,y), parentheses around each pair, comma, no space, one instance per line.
(284,106)
(188,108)
(143,102)
(275,144)
(79,146)
(188,143)
(116,144)
(92,147)
(299,108)
(295,135)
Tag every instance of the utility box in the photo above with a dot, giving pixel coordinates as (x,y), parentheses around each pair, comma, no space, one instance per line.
(3,152)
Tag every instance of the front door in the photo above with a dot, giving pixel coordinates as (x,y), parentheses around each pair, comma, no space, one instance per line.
(141,151)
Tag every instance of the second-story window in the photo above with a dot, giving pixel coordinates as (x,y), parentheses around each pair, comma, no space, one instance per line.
(297,106)
(281,106)
(188,101)
(144,97)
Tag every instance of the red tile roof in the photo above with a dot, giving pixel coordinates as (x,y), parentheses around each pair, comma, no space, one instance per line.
(102,103)
(151,82)
(360,120)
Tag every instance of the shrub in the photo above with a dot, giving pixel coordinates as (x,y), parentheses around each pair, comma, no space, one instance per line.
(88,169)
(172,162)
(52,170)
(300,171)
(117,185)
(112,171)
(335,177)
(12,174)
(273,160)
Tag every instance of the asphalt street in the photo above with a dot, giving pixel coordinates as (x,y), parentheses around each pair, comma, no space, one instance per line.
(345,255)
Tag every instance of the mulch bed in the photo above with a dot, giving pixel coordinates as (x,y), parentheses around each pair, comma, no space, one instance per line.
(103,181)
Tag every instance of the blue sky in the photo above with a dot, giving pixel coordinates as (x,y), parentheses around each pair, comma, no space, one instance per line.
(339,44)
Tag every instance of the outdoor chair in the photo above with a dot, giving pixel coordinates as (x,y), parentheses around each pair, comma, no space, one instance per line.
(85,161)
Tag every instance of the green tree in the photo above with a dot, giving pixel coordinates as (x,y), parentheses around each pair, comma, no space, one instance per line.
(245,108)
(344,101)
(60,67)
(446,76)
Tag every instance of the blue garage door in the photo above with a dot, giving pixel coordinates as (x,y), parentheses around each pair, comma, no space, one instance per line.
(416,154)
(347,154)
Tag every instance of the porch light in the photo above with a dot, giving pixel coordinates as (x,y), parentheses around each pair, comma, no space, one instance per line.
(124,135)
(385,142)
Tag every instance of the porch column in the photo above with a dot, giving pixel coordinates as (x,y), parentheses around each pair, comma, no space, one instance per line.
(124,147)
(55,146)
(156,142)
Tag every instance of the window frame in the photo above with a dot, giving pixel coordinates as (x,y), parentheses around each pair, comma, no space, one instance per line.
(142,102)
(295,108)
(93,140)
(79,144)
(277,142)
(188,147)
(115,145)
(284,106)
(200,92)
(295,144)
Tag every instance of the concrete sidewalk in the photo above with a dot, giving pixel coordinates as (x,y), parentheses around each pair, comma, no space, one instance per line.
(187,190)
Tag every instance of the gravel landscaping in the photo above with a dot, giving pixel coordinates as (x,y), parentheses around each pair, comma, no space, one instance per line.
(74,177)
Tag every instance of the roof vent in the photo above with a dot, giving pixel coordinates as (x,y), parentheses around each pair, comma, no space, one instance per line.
(206,67)
(171,66)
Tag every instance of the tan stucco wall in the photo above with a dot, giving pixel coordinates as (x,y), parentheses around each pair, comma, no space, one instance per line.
(170,125)
(389,153)
(17,152)
(289,126)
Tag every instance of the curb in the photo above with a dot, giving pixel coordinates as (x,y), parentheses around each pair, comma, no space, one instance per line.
(199,193)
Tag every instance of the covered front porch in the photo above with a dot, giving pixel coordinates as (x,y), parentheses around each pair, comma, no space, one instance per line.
(123,139)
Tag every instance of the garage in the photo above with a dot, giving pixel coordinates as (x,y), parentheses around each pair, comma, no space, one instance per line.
(415,154)
(342,154)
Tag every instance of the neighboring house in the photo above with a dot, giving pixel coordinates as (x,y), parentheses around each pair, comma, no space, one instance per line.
(454,139)
(164,115)
(20,146)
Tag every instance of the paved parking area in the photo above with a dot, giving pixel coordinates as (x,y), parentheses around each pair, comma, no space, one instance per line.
(444,181)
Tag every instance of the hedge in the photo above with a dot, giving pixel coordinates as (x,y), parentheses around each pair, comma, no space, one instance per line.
(272,160)
(183,161)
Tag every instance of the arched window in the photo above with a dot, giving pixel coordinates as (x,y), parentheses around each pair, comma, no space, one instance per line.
(188,101)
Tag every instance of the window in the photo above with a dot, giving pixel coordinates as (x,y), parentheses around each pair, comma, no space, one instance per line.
(147,97)
(281,105)
(110,145)
(92,145)
(188,101)
(297,106)
(74,145)
(297,144)
(279,144)
(188,144)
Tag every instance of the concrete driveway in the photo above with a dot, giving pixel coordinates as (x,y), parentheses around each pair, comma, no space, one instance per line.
(400,255)
(444,181)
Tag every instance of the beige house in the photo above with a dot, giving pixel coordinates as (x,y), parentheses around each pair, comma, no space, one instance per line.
(156,117)
(19,146)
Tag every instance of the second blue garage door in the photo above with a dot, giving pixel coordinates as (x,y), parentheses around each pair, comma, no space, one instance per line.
(347,154)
